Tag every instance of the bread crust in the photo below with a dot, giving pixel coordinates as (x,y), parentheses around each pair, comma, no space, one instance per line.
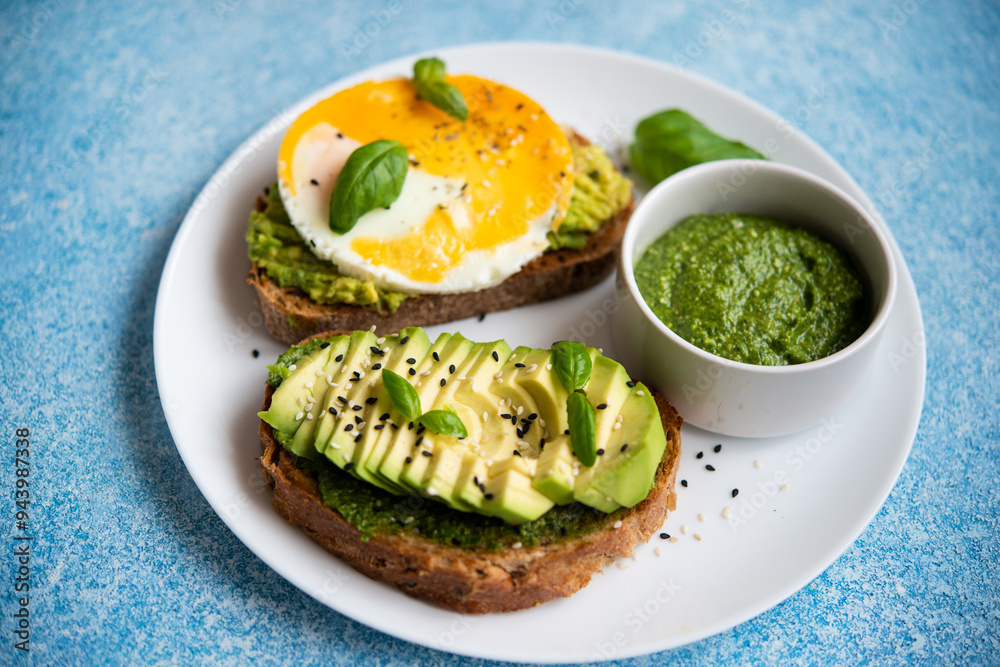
(290,315)
(466,580)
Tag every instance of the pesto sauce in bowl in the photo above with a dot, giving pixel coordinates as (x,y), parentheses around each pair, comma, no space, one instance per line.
(754,290)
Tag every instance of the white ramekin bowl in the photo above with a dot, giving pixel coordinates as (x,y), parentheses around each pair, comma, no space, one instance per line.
(730,397)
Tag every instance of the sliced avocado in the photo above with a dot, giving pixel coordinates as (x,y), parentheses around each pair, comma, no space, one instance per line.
(334,436)
(625,474)
(510,496)
(303,443)
(287,409)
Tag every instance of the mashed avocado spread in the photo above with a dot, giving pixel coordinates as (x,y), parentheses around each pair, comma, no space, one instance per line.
(754,290)
(599,192)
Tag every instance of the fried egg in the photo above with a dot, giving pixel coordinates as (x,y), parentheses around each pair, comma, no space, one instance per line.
(480,195)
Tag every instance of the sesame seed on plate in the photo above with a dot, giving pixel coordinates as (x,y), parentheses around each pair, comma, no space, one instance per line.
(617,525)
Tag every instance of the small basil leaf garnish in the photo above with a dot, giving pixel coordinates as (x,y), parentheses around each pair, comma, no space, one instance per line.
(402,394)
(371,178)
(672,140)
(428,78)
(571,363)
(582,436)
(444,422)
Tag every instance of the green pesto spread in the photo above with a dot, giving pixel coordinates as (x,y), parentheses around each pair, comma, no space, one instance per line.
(374,511)
(754,290)
(599,192)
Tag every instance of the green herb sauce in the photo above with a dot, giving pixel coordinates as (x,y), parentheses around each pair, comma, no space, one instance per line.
(754,290)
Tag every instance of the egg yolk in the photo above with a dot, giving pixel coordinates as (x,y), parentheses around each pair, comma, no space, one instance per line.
(513,160)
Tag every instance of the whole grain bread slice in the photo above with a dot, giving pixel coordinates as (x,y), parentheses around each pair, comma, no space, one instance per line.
(290,315)
(474,581)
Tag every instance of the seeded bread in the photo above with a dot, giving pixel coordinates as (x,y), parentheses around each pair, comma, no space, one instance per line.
(465,580)
(290,315)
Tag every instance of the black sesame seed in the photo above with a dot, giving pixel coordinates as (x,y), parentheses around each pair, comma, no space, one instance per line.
(420,429)
(375,350)
(600,452)
(736,492)
(496,357)
(436,356)
(482,316)
(482,487)
(376,367)
(541,444)
(699,455)
(684,483)
(357,407)
(255,353)
(411,361)
(340,357)
(533,415)
(488,496)
(395,427)
(451,369)
(506,415)
(404,340)
(332,410)
(717,448)
(520,433)
(517,453)
(358,438)
(371,399)
(419,440)
(566,432)
(443,382)
(379,427)
(314,181)
(630,383)
(513,420)
(385,415)
(602,406)
(624,447)
(413,371)
(348,465)
(349,427)
(710,468)
(518,365)
(664,536)
(409,459)
(358,420)
(340,136)
(323,346)
(427,453)
(409,427)
(342,400)
(356,374)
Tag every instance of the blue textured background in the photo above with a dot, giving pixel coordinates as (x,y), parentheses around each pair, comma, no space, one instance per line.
(113,117)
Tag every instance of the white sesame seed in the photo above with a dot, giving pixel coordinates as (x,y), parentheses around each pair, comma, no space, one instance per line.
(548,367)
(460,378)
(361,425)
(319,372)
(523,443)
(621,565)
(658,551)
(516,545)
(473,387)
(329,379)
(541,422)
(531,368)
(701,517)
(617,426)
(784,487)
(484,439)
(420,384)
(308,385)
(520,410)
(725,512)
(697,537)
(299,416)
(500,380)
(409,519)
(292,367)
(380,340)
(332,383)
(371,385)
(757,464)
(372,329)
(298,400)
(497,376)
(334,445)
(489,462)
(431,491)
(425,374)
(684,529)
(485,416)
(619,418)
(673,539)
(617,525)
(640,393)
(486,183)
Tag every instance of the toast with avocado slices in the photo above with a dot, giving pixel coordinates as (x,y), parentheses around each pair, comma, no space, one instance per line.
(475,476)
(300,294)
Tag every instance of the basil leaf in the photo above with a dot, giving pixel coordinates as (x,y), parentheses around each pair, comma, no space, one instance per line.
(571,363)
(402,394)
(582,419)
(672,140)
(371,178)
(444,422)
(428,78)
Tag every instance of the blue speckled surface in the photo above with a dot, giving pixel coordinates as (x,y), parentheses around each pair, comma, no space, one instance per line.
(113,117)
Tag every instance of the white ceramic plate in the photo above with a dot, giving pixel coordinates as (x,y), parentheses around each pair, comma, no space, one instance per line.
(807,502)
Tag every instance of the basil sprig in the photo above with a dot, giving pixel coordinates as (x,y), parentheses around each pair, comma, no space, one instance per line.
(428,78)
(444,422)
(402,394)
(672,140)
(582,428)
(404,398)
(571,363)
(371,178)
